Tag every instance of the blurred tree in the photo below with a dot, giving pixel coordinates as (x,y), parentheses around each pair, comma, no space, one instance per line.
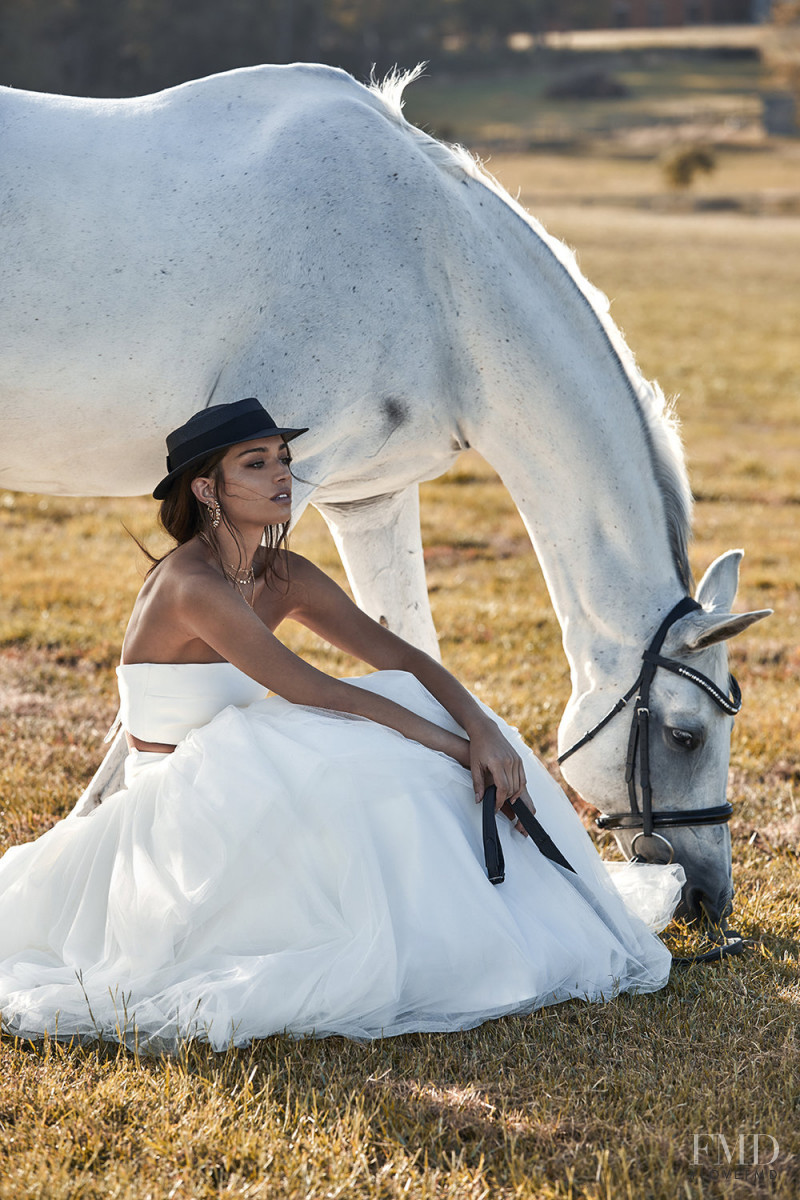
(94,47)
(125,47)
(57,45)
(186,39)
(494,22)
(360,33)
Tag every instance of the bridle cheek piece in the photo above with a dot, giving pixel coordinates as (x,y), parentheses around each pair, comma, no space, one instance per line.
(642,817)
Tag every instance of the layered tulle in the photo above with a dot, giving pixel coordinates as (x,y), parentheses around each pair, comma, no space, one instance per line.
(292,869)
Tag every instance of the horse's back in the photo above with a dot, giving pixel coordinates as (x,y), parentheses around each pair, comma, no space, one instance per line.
(217,112)
(164,249)
(87,176)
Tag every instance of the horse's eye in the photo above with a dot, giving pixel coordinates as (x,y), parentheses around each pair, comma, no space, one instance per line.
(685,738)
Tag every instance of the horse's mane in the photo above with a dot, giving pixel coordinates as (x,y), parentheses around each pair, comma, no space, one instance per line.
(657,415)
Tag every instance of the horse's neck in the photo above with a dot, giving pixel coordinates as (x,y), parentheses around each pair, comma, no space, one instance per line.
(558,417)
(606,564)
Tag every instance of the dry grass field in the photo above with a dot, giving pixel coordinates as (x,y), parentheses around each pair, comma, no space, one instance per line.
(576,1101)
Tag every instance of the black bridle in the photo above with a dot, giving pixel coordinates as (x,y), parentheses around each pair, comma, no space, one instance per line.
(641,816)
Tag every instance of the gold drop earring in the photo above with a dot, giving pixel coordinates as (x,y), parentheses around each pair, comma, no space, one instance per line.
(214,509)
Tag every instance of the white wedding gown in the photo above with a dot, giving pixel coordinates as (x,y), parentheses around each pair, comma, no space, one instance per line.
(289,868)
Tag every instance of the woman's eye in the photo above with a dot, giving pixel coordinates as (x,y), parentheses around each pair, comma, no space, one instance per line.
(286,459)
(259,462)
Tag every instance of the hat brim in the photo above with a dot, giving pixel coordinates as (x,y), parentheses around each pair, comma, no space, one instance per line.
(161,489)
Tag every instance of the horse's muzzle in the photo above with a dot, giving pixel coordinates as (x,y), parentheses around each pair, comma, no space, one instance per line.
(696,907)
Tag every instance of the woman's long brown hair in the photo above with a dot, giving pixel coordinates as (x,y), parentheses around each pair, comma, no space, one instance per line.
(184,517)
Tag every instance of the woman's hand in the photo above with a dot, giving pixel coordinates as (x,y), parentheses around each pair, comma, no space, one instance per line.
(494,760)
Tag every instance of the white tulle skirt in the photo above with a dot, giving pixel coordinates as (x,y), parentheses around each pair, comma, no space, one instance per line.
(289,869)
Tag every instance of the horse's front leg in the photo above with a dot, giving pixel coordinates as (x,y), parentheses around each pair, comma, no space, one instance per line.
(380,545)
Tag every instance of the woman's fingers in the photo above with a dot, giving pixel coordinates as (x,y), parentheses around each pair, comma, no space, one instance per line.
(492,760)
(509,778)
(504,794)
(508,811)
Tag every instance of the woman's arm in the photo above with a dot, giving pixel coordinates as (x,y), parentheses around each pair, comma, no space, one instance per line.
(205,607)
(322,606)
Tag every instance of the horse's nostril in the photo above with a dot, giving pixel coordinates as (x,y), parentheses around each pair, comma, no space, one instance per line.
(695,906)
(716,912)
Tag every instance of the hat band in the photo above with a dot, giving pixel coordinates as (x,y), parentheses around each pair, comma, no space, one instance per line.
(239,429)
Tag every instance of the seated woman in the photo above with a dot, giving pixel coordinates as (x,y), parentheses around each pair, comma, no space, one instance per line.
(311,860)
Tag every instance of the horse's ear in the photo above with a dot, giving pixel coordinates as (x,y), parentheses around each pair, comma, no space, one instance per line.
(716,623)
(718,586)
(697,631)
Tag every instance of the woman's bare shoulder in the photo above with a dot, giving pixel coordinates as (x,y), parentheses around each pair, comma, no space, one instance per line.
(158,629)
(183,566)
(174,580)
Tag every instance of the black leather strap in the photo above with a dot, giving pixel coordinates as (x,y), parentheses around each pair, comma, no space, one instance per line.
(539,835)
(601,724)
(730,704)
(732,943)
(668,818)
(493,851)
(684,606)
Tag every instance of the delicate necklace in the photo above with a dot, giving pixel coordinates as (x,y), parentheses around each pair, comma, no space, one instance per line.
(242,580)
(238,577)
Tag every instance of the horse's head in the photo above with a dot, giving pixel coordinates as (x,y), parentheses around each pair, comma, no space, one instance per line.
(658,768)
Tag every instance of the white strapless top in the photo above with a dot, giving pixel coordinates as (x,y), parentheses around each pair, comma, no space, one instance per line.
(162,702)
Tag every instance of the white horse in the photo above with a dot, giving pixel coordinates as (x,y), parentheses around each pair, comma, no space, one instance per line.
(283,232)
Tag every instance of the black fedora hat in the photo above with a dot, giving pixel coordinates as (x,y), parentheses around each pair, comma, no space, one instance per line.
(215,429)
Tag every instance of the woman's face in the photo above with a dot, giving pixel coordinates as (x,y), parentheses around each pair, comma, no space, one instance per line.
(257,482)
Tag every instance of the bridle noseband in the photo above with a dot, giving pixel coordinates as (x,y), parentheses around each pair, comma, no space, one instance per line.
(642,817)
